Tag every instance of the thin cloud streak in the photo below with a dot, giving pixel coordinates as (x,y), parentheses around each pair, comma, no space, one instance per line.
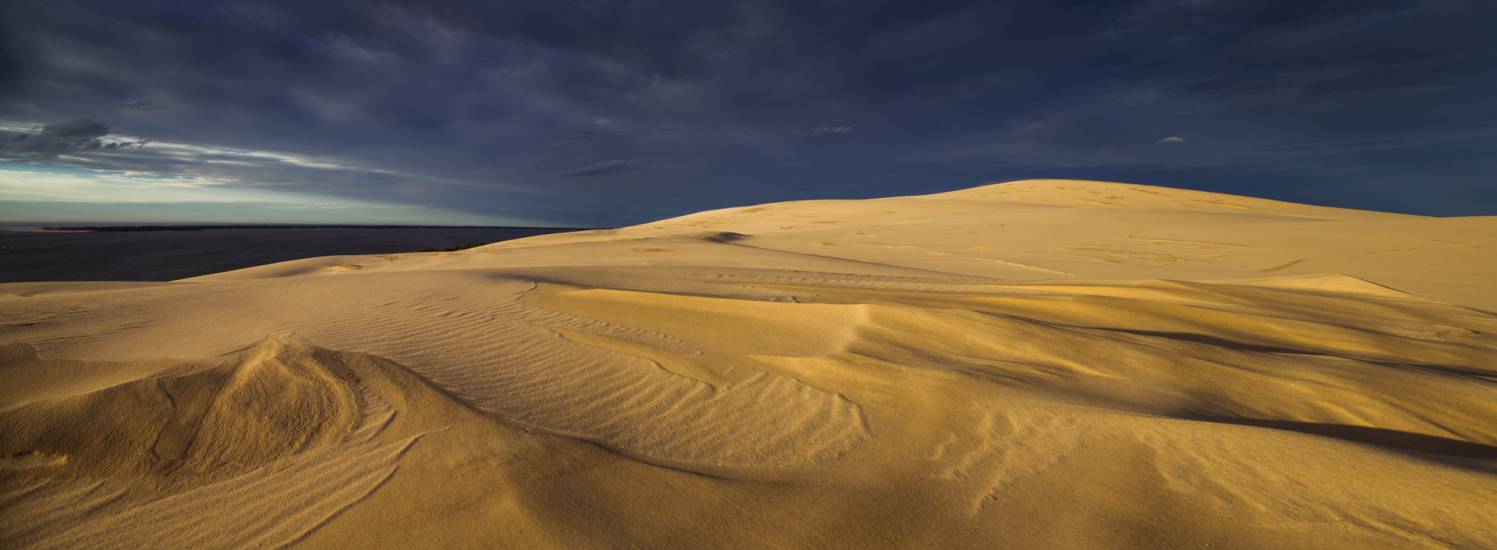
(603,167)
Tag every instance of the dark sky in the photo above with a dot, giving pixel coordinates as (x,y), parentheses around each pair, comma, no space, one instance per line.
(606,113)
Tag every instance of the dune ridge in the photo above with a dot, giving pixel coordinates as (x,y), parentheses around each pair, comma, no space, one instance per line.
(1044,363)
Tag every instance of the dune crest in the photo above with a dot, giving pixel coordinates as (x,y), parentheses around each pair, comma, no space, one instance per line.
(1045,363)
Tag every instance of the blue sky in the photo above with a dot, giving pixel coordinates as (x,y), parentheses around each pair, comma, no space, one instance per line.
(601,114)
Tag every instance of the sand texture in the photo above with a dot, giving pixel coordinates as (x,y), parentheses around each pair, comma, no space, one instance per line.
(1043,363)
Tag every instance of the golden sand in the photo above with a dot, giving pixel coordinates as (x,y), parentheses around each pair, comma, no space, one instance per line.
(1044,363)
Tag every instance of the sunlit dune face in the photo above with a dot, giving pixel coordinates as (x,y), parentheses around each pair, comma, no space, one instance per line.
(1063,363)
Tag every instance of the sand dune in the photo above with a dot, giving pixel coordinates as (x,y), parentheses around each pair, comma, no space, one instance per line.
(1044,363)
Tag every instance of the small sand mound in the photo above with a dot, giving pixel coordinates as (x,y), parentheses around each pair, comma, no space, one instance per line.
(271,401)
(257,450)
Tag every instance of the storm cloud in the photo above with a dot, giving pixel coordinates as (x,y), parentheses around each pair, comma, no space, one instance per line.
(499,108)
(52,140)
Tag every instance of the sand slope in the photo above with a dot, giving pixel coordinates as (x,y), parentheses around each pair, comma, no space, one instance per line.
(1043,363)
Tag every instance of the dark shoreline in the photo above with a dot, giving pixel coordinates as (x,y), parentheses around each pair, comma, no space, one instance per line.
(84,252)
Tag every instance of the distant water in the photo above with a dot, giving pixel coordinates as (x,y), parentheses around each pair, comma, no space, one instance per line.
(162,255)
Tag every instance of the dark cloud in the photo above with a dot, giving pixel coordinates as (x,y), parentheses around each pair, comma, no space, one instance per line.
(62,138)
(600,168)
(492,107)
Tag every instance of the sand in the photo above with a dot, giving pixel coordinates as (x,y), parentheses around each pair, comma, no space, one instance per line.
(1043,363)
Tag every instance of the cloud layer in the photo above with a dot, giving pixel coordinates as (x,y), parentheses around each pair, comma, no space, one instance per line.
(529,109)
(600,168)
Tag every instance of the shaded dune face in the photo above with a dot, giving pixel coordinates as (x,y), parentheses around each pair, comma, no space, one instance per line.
(1248,353)
(898,372)
(1229,360)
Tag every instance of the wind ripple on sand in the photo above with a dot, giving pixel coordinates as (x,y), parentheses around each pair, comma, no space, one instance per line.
(504,356)
(1005,447)
(266,508)
(1305,491)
